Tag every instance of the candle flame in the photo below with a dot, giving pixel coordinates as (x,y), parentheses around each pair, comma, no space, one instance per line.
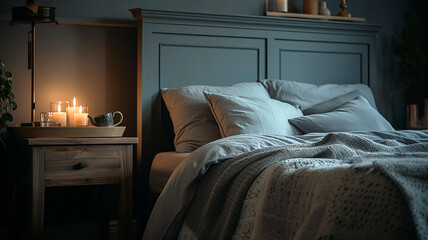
(59,106)
(74,102)
(80,109)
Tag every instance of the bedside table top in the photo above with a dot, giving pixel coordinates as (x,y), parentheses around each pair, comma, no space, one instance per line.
(78,141)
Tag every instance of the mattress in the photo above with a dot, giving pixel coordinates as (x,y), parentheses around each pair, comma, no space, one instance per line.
(163,165)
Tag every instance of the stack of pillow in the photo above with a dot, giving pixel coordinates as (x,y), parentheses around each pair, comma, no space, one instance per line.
(201,114)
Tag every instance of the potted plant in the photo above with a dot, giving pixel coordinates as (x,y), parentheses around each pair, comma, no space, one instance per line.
(9,170)
(7,98)
(412,49)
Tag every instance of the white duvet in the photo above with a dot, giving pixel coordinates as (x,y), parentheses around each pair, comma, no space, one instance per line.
(167,216)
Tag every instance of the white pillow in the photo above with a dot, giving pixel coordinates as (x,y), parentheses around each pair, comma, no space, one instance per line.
(307,95)
(193,122)
(332,104)
(240,115)
(356,115)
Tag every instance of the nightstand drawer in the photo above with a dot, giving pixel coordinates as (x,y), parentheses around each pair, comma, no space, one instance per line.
(82,165)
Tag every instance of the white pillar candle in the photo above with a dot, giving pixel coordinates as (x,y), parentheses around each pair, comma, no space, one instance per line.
(60,117)
(282,5)
(71,111)
(80,118)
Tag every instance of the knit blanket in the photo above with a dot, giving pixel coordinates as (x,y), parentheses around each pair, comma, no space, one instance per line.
(341,187)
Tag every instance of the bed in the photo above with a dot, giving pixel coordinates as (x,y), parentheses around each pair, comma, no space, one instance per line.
(268,128)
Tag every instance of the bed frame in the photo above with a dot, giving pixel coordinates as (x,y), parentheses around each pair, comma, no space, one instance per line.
(176,49)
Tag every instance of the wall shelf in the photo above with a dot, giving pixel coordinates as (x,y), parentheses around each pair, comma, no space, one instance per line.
(312,16)
(86,23)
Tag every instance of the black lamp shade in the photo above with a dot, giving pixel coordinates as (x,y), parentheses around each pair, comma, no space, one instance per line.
(25,15)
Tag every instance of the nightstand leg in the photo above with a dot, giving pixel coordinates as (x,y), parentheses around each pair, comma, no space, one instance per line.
(125,203)
(37,194)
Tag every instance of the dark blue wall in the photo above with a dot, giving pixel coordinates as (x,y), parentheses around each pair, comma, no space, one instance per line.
(117,9)
(387,13)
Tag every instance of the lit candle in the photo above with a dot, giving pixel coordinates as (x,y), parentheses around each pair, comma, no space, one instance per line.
(60,117)
(71,111)
(80,118)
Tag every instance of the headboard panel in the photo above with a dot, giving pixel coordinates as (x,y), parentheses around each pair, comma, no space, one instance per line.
(323,62)
(209,60)
(179,49)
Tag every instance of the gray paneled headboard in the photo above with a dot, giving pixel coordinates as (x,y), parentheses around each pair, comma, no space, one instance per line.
(178,49)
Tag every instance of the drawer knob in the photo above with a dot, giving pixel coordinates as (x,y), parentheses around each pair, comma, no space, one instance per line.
(80,166)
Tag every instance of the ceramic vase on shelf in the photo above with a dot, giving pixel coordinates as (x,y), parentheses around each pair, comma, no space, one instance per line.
(413,120)
(282,5)
(412,117)
(310,7)
(425,117)
(323,10)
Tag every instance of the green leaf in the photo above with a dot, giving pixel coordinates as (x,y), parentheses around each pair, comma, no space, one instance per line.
(3,94)
(8,74)
(7,87)
(14,106)
(7,117)
(1,72)
(11,106)
(2,64)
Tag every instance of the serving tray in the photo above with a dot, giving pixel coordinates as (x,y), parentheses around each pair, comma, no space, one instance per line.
(30,132)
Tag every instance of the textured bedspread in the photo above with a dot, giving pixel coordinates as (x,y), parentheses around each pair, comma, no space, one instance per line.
(315,186)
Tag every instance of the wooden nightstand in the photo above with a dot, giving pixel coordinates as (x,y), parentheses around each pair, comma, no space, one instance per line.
(51,162)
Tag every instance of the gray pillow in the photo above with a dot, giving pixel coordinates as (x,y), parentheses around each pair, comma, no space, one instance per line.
(307,95)
(356,115)
(246,115)
(193,122)
(332,104)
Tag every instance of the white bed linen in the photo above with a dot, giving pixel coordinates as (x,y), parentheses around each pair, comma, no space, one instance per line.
(163,165)
(167,215)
